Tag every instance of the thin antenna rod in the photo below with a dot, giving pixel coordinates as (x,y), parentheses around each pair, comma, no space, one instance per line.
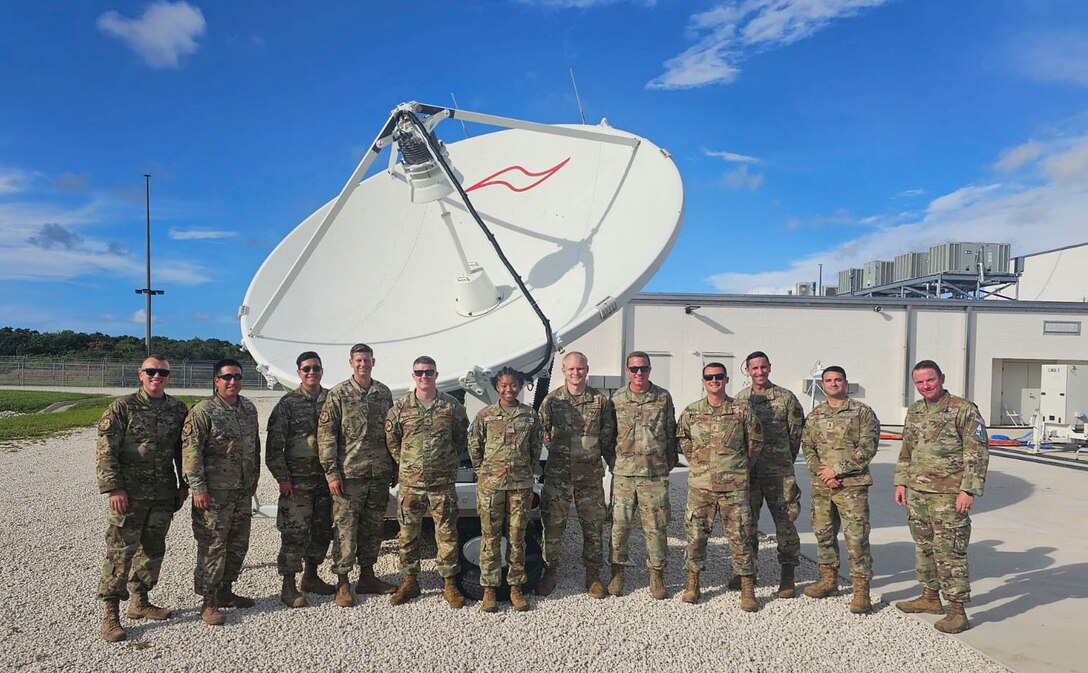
(577,97)
(458,107)
(147,288)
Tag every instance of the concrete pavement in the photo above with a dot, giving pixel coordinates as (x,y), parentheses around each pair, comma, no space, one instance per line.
(1028,556)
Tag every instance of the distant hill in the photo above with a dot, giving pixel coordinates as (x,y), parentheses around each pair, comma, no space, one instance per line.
(69,345)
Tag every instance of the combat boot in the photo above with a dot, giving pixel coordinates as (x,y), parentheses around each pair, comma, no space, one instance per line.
(210,613)
(289,594)
(691,589)
(929,602)
(955,621)
(343,592)
(408,589)
(827,585)
(452,594)
(546,585)
(657,585)
(615,585)
(861,604)
(748,601)
(734,583)
(369,584)
(489,603)
(313,583)
(228,599)
(139,607)
(787,588)
(111,622)
(593,582)
(517,599)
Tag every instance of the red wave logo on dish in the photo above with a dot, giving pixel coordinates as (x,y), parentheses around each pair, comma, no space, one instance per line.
(542,176)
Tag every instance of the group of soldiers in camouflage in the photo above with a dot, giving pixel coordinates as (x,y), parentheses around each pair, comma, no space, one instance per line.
(335,453)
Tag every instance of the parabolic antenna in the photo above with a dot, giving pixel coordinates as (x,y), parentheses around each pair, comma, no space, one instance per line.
(583,214)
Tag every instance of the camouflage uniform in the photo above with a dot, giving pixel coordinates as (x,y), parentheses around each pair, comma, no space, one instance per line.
(426,443)
(504,445)
(351,446)
(774,479)
(844,439)
(577,431)
(221,456)
(945,451)
(721,444)
(305,520)
(138,450)
(645,454)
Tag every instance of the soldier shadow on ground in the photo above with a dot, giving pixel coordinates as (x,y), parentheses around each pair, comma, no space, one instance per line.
(1022,574)
(1002,490)
(144,629)
(1022,584)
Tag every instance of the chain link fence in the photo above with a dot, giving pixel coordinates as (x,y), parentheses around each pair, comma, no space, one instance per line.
(26,371)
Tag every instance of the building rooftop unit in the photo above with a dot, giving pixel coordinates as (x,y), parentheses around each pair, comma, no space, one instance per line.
(946,285)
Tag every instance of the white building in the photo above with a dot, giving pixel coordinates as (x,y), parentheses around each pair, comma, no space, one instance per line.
(990,351)
(1054,275)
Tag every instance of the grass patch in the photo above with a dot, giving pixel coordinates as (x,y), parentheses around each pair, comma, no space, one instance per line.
(31,401)
(83,414)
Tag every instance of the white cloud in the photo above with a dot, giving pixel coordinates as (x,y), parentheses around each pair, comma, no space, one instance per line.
(140,316)
(1042,213)
(41,241)
(198,234)
(739,178)
(732,157)
(1015,157)
(912,192)
(1069,165)
(960,198)
(13,181)
(180,272)
(840,218)
(161,35)
(1053,56)
(733,30)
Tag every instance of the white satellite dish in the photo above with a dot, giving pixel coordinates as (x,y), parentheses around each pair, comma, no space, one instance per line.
(584,214)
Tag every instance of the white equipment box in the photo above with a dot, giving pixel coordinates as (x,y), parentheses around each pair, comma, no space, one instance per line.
(1063,394)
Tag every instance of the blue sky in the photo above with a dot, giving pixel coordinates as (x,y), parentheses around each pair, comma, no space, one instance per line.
(806,131)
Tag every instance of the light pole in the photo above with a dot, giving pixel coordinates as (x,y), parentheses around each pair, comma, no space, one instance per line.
(146,290)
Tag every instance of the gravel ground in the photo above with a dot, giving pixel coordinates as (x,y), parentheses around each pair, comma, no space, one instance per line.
(52,522)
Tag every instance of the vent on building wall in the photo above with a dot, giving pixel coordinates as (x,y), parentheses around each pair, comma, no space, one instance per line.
(1067,327)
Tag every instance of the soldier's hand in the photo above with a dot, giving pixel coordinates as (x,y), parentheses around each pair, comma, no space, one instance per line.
(119,500)
(901,496)
(336,487)
(964,501)
(181,496)
(286,489)
(202,500)
(826,475)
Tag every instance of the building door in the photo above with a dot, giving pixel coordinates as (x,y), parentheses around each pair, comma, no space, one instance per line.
(1020,382)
